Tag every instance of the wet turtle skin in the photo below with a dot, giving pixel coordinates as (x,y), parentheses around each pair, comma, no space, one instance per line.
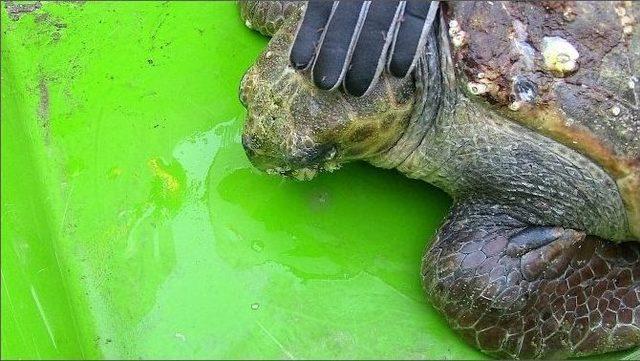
(527,114)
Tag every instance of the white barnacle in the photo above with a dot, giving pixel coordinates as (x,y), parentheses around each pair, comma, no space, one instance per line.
(560,56)
(454,27)
(569,15)
(459,39)
(615,110)
(458,36)
(289,70)
(626,19)
(515,105)
(477,88)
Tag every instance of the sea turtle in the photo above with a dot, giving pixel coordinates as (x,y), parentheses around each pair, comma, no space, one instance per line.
(528,115)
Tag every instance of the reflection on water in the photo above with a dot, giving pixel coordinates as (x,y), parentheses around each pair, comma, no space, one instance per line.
(359,219)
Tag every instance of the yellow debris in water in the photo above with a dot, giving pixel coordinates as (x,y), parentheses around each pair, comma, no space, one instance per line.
(169,182)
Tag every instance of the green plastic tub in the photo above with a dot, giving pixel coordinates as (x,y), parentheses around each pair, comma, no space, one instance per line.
(133,226)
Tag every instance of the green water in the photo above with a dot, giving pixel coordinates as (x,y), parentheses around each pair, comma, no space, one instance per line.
(134,226)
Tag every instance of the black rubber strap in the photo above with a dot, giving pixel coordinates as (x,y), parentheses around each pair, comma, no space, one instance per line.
(308,36)
(338,42)
(368,58)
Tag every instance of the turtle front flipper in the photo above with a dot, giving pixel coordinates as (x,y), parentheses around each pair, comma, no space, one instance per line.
(519,291)
(267,16)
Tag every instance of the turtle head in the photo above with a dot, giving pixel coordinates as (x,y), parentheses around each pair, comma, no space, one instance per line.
(294,128)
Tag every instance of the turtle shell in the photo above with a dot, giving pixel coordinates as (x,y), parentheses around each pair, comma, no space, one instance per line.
(569,70)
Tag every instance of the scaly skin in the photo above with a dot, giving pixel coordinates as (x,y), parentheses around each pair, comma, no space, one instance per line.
(585,303)
(524,266)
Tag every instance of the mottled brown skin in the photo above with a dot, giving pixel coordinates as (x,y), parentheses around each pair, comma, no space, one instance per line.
(282,141)
(524,266)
